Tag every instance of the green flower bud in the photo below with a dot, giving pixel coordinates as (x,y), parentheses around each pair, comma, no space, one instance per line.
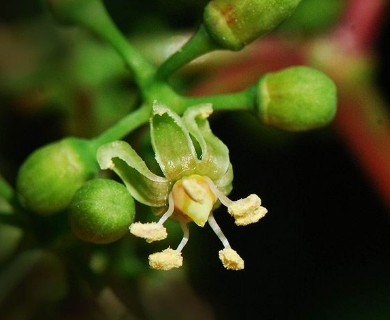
(50,176)
(233,24)
(101,211)
(296,99)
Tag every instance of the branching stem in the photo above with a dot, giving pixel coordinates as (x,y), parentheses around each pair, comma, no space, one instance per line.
(199,44)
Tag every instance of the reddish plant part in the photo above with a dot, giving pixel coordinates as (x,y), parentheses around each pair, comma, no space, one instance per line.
(360,23)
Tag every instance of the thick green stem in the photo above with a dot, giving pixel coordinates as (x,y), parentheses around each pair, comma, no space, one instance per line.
(244,100)
(198,45)
(141,69)
(96,19)
(124,126)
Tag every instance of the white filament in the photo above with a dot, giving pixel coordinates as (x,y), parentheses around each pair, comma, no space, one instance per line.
(169,212)
(217,230)
(186,236)
(224,199)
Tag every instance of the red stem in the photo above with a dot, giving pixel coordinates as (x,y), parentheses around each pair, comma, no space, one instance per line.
(360,24)
(364,124)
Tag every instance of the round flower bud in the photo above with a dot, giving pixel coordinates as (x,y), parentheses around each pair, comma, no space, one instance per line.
(50,176)
(101,211)
(296,99)
(233,24)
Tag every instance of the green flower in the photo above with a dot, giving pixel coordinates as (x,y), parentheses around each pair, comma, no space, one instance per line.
(197,178)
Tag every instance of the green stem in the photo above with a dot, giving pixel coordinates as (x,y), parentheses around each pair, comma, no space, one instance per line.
(244,100)
(95,18)
(124,126)
(199,44)
(6,190)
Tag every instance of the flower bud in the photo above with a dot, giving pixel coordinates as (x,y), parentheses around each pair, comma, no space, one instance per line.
(233,24)
(101,211)
(296,99)
(50,176)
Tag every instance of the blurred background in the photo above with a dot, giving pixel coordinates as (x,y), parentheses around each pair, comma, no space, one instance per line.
(322,251)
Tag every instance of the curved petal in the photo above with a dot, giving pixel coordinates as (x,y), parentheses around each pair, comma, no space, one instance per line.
(144,186)
(224,183)
(214,161)
(175,152)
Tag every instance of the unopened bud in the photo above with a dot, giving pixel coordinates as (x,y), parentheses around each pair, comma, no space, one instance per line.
(50,176)
(101,211)
(235,23)
(296,99)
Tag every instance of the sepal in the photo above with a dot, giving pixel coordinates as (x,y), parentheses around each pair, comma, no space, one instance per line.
(214,158)
(145,186)
(175,152)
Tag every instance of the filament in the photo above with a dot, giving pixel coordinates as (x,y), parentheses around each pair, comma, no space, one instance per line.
(186,236)
(224,199)
(217,230)
(169,212)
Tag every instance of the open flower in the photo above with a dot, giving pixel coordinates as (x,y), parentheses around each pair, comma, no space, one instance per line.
(197,178)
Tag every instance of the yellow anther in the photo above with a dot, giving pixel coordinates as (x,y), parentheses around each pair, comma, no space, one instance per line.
(195,188)
(149,231)
(247,211)
(166,259)
(230,259)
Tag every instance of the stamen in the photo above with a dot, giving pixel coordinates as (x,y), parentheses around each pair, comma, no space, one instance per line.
(230,259)
(217,230)
(166,259)
(194,190)
(153,231)
(186,236)
(248,210)
(169,212)
(224,199)
(149,231)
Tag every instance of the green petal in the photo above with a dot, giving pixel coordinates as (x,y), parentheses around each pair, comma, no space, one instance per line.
(214,161)
(175,152)
(143,185)
(224,184)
